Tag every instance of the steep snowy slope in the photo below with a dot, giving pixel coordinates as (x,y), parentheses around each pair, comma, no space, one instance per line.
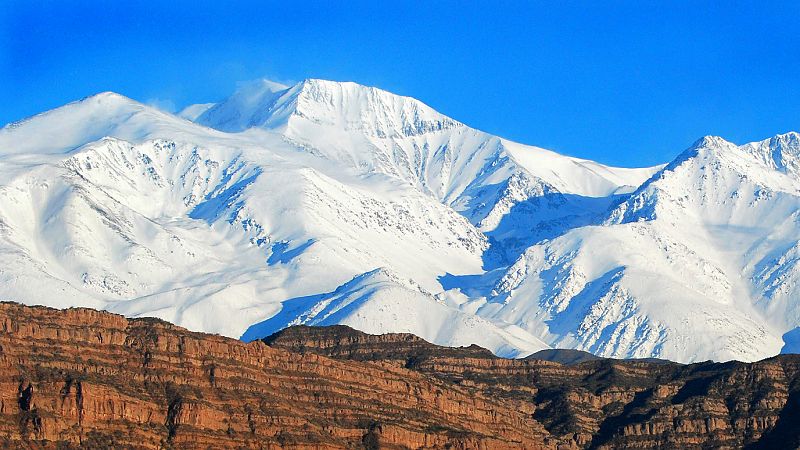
(193,228)
(328,202)
(742,201)
(379,132)
(485,178)
(700,262)
(192,112)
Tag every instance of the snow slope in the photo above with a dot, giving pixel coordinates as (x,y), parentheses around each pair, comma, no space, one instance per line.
(700,262)
(374,301)
(180,221)
(481,176)
(327,202)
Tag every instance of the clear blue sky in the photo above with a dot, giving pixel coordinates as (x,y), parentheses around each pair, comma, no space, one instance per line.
(626,83)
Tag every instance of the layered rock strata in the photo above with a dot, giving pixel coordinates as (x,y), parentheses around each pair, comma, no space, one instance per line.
(598,402)
(90,379)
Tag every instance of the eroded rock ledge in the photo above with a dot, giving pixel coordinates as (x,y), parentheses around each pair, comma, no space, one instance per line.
(84,378)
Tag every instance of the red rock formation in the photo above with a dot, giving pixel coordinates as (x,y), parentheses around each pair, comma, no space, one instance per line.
(600,403)
(97,380)
(94,379)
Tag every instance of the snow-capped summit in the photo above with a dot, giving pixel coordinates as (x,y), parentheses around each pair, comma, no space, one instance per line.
(377,132)
(330,202)
(708,243)
(76,123)
(781,152)
(718,180)
(344,105)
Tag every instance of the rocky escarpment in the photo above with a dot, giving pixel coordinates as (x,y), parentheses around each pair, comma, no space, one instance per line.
(599,403)
(84,378)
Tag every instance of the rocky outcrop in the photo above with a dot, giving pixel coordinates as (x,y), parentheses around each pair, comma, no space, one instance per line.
(597,402)
(86,378)
(90,379)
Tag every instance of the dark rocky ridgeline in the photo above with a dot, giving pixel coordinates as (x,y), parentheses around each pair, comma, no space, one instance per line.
(90,379)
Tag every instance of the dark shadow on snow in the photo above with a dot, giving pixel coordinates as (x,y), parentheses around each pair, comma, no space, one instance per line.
(282,254)
(526,224)
(538,219)
(290,310)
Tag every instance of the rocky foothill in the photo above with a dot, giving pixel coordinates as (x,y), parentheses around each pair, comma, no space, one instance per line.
(81,378)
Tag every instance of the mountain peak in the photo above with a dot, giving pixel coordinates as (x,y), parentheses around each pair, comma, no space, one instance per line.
(710,141)
(786,142)
(106,96)
(368,110)
(703,145)
(790,135)
(348,106)
(780,152)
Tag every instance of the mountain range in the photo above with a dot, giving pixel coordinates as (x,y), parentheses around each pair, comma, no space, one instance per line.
(329,203)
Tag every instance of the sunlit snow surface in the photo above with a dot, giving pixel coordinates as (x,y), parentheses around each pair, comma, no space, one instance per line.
(327,202)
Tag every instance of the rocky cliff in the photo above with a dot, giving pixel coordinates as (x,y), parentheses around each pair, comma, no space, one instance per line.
(84,378)
(598,402)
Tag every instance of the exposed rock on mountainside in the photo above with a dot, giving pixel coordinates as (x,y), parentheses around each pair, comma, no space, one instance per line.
(94,379)
(81,377)
(599,403)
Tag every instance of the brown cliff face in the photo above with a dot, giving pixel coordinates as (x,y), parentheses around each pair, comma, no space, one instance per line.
(599,403)
(97,380)
(86,378)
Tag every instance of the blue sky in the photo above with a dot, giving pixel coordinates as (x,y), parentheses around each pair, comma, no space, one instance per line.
(625,83)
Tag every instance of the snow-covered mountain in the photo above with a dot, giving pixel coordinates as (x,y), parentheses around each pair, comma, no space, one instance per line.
(327,202)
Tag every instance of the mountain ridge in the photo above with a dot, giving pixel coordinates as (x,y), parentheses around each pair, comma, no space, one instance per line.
(335,213)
